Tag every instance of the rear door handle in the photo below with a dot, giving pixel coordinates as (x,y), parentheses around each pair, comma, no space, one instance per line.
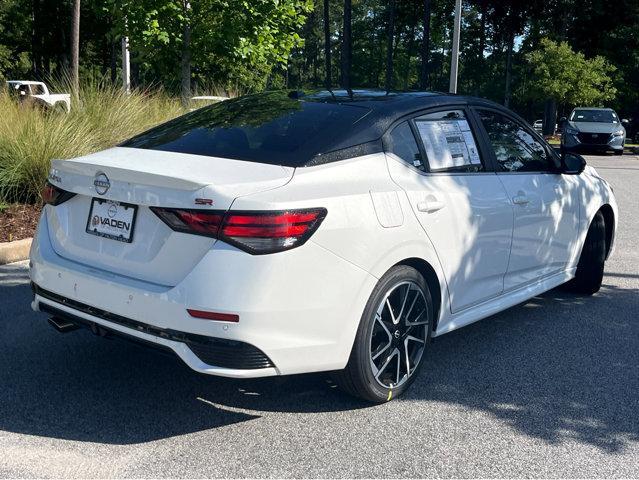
(520,200)
(430,206)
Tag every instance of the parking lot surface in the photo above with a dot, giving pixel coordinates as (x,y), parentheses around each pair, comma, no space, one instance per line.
(549,388)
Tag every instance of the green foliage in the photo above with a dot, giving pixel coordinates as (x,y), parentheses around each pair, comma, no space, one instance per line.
(560,73)
(30,138)
(5,60)
(249,45)
(232,41)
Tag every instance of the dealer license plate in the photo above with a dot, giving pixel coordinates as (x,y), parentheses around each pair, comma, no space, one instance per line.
(112,220)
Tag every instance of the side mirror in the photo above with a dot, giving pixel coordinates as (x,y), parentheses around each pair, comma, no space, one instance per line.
(562,120)
(572,164)
(625,121)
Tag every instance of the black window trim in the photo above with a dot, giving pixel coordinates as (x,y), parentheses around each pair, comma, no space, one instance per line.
(491,152)
(485,150)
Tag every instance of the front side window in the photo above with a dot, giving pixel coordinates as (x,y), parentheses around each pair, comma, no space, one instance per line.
(448,141)
(515,148)
(403,144)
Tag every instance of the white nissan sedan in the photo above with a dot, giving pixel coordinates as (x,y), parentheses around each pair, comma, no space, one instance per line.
(283,233)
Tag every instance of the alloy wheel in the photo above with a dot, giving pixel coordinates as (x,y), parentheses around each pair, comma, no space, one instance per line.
(399,334)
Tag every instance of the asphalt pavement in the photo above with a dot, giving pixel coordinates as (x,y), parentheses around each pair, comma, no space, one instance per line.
(549,388)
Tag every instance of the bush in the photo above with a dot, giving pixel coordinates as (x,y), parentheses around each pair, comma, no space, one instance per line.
(102,117)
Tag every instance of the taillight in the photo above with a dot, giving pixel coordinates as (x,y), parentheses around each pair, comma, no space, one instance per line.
(254,232)
(268,232)
(52,195)
(201,222)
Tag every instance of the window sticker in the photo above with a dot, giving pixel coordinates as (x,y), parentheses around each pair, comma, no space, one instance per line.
(448,143)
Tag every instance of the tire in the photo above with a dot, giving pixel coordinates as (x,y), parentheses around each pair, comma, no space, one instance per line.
(405,335)
(590,268)
(60,108)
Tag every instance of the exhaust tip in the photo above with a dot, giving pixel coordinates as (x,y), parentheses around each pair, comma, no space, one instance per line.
(61,325)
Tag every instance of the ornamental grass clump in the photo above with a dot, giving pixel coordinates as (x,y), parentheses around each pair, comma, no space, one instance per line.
(101,116)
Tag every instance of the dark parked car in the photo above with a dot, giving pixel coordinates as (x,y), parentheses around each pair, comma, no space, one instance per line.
(593,130)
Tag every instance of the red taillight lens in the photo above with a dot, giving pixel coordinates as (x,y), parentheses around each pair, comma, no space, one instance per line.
(202,222)
(253,232)
(52,195)
(269,232)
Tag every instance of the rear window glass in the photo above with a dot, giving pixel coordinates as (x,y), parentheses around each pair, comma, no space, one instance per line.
(267,128)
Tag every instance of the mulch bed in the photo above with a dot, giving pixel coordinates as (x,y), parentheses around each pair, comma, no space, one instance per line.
(18,221)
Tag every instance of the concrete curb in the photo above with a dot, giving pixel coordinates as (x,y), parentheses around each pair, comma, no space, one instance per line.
(14,251)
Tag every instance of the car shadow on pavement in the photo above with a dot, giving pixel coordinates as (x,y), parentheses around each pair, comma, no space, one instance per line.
(558,367)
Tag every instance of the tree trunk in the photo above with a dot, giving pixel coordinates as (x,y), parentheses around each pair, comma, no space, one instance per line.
(328,81)
(389,46)
(75,47)
(425,53)
(550,117)
(509,67)
(114,60)
(135,71)
(186,56)
(36,58)
(347,47)
(409,53)
(482,47)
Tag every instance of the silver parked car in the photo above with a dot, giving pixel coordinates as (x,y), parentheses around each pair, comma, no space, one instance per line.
(593,129)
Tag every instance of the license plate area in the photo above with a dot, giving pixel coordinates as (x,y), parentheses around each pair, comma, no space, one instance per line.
(113,220)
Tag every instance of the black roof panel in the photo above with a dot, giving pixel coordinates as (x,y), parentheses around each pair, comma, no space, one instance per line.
(290,128)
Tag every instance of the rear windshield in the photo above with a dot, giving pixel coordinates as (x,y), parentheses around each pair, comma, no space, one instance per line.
(599,116)
(266,128)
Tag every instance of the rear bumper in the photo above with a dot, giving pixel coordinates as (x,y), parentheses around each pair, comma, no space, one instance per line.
(298,310)
(227,354)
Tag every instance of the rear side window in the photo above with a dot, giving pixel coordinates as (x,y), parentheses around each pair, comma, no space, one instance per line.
(37,89)
(266,128)
(448,141)
(403,144)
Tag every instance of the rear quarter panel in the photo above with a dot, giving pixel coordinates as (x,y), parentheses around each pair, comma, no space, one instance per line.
(361,226)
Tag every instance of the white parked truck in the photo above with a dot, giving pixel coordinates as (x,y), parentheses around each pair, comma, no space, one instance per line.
(38,93)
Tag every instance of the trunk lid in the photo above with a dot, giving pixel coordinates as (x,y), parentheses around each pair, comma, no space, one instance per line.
(147,178)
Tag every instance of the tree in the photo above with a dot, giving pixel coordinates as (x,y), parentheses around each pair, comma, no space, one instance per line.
(568,78)
(327,45)
(388,84)
(186,53)
(425,50)
(75,47)
(347,46)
